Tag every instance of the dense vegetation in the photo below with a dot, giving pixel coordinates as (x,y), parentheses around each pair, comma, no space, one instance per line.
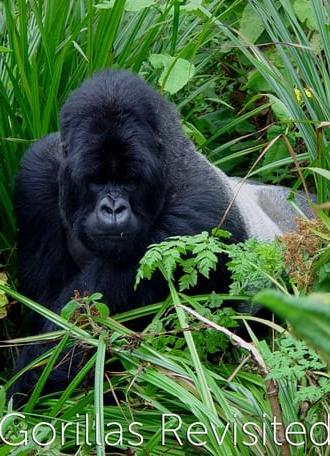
(251,80)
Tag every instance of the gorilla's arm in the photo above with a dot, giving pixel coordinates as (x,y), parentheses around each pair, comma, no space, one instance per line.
(44,261)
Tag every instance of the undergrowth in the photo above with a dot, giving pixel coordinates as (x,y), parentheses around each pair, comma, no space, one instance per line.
(247,77)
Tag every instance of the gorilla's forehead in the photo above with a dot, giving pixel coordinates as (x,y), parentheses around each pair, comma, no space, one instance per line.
(118,134)
(108,163)
(105,158)
(112,95)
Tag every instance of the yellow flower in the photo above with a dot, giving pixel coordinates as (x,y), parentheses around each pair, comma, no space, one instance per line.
(308,92)
(298,95)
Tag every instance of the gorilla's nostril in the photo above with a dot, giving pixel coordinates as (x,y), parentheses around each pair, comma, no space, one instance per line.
(113,211)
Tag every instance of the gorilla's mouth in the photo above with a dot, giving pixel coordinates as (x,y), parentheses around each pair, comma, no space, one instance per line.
(120,247)
(115,236)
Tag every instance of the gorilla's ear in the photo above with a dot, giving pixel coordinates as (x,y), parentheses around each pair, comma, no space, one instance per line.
(159,142)
(63,148)
(69,125)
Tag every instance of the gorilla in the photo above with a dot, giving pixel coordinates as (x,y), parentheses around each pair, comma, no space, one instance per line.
(121,175)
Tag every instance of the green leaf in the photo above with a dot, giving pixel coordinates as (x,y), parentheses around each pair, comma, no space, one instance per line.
(81,52)
(138,5)
(99,395)
(69,309)
(220,233)
(251,25)
(205,265)
(130,5)
(192,6)
(169,266)
(176,72)
(49,367)
(305,13)
(252,263)
(102,309)
(188,280)
(193,132)
(257,82)
(279,149)
(96,296)
(3,298)
(322,172)
(2,400)
(309,316)
(193,254)
(5,49)
(280,110)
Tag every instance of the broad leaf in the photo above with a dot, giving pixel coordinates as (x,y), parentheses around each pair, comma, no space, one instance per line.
(251,25)
(176,72)
(309,316)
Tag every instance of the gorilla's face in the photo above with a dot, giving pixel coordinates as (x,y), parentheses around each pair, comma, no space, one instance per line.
(111,184)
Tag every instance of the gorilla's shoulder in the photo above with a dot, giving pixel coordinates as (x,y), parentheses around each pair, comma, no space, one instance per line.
(36,181)
(43,151)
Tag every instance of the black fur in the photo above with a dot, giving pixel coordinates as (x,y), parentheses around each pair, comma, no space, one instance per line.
(115,130)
